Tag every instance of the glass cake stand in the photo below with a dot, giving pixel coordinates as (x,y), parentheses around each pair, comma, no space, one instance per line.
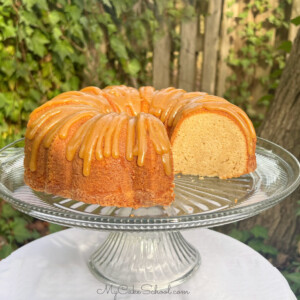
(145,246)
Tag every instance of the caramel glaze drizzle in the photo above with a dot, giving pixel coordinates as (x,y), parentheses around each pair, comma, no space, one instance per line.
(55,120)
(146,93)
(74,98)
(125,99)
(99,135)
(106,111)
(162,100)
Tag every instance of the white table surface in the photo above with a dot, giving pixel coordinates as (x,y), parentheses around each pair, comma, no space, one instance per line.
(54,267)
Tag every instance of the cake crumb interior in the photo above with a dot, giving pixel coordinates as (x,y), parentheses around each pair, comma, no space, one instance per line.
(209,144)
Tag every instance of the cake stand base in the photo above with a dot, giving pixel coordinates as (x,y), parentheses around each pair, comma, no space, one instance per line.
(144,260)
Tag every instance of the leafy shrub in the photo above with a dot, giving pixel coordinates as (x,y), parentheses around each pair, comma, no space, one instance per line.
(48,47)
(264,47)
(293,277)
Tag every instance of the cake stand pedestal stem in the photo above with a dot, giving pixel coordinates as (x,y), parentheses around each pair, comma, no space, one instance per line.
(144,260)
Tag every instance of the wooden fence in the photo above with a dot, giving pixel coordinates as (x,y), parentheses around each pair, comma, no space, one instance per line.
(205,45)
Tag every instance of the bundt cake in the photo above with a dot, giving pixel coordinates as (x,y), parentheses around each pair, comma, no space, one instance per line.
(120,146)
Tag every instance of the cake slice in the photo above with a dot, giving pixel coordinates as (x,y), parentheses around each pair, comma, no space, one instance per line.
(213,137)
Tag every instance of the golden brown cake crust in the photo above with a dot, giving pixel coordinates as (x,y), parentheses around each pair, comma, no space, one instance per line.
(135,168)
(112,182)
(131,171)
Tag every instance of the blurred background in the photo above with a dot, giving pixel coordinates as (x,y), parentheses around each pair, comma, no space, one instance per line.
(230,48)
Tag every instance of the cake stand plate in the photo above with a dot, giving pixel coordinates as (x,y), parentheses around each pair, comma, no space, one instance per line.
(145,248)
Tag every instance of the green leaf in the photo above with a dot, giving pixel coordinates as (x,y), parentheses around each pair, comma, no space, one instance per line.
(56,33)
(286,46)
(134,67)
(63,49)
(2,100)
(8,31)
(296,21)
(259,232)
(54,228)
(295,277)
(29,19)
(236,234)
(276,74)
(29,3)
(241,235)
(268,249)
(74,12)
(265,100)
(112,28)
(118,47)
(120,6)
(8,67)
(54,17)
(259,246)
(188,12)
(5,251)
(35,234)
(29,105)
(21,233)
(107,3)
(42,4)
(5,3)
(40,37)
(8,211)
(256,244)
(74,83)
(243,15)
(76,31)
(245,63)
(36,43)
(230,30)
(229,14)
(230,3)
(35,94)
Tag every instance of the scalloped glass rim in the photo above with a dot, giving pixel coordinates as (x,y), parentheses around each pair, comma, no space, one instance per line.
(204,219)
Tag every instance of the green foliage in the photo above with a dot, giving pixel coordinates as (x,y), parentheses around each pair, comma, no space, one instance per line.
(256,239)
(48,47)
(13,230)
(286,46)
(294,277)
(296,21)
(292,274)
(258,52)
(54,228)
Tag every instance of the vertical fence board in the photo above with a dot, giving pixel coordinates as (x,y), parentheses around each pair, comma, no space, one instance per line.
(294,13)
(187,58)
(161,60)
(211,46)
